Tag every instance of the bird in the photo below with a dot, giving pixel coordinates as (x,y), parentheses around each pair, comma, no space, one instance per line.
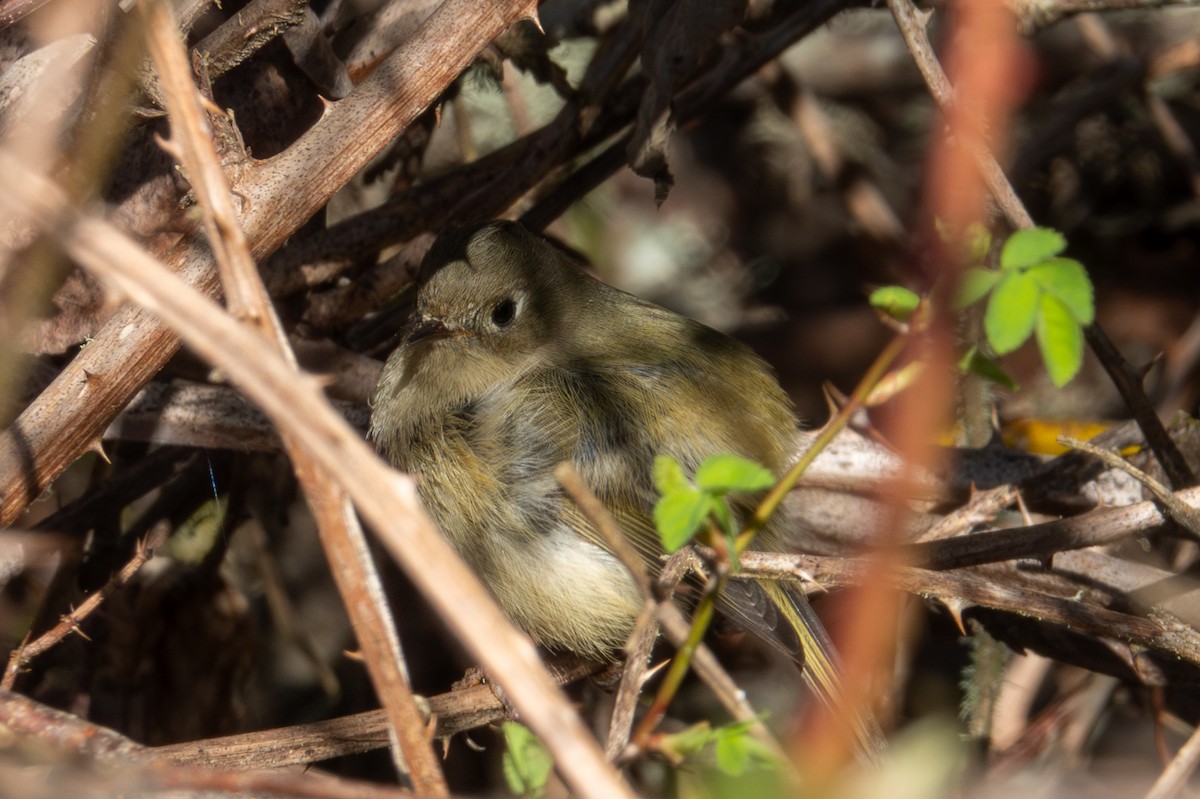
(515,360)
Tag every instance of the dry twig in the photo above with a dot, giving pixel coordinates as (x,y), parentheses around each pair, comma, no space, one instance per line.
(73,621)
(346,547)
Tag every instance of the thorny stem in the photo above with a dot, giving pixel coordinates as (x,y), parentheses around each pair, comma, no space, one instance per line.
(73,621)
(835,425)
(680,664)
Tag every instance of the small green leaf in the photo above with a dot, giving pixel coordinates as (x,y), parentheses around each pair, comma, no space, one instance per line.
(1067,281)
(976,283)
(526,762)
(737,750)
(679,514)
(976,362)
(721,474)
(732,754)
(692,740)
(668,474)
(1011,312)
(1060,339)
(895,301)
(1030,247)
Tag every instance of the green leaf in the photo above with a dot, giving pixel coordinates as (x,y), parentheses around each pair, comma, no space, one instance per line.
(668,474)
(737,750)
(1060,339)
(692,740)
(976,362)
(1067,281)
(895,301)
(1030,247)
(732,754)
(976,283)
(1011,312)
(721,474)
(526,762)
(679,514)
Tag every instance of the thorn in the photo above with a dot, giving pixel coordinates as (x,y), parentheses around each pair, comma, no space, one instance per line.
(807,578)
(353,654)
(651,671)
(955,608)
(97,446)
(1026,518)
(831,394)
(532,16)
(431,724)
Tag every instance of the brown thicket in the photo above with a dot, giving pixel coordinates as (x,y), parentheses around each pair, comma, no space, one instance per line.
(211,221)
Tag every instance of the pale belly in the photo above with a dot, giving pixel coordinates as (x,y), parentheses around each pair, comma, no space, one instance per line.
(567,593)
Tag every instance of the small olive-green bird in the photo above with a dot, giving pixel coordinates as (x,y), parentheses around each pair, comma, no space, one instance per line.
(518,360)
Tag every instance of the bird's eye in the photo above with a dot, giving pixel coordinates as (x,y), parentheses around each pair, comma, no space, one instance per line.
(504,312)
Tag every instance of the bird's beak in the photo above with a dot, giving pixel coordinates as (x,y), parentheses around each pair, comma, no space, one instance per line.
(427,328)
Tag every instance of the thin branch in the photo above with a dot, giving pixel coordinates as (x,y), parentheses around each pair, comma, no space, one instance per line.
(455,712)
(1037,14)
(72,622)
(1016,594)
(1175,776)
(1129,385)
(981,507)
(633,677)
(345,545)
(1040,541)
(82,756)
(245,32)
(912,24)
(1184,514)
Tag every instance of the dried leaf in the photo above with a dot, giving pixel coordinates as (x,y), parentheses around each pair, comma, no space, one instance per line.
(681,39)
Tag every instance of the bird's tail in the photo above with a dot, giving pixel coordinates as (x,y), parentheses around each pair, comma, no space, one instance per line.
(781,615)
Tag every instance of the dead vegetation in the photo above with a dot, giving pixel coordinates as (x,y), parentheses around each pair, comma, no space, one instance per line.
(182,572)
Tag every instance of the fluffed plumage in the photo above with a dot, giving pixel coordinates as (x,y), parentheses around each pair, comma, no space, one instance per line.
(518,360)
